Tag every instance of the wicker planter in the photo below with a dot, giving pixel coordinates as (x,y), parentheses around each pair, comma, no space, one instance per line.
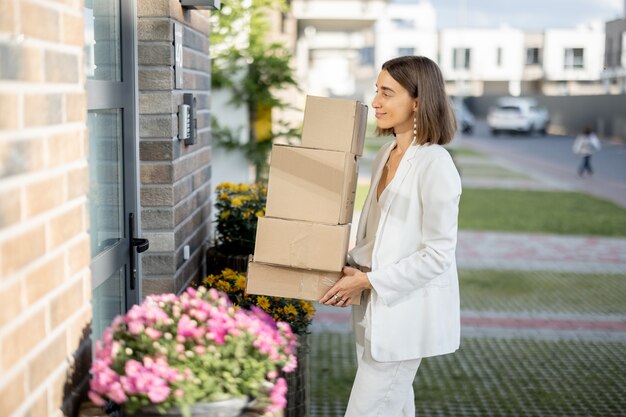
(216,262)
(298,383)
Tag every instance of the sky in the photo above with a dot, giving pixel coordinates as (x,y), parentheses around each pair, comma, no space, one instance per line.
(528,15)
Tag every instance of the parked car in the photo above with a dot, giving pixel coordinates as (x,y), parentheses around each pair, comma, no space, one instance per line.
(464,116)
(516,114)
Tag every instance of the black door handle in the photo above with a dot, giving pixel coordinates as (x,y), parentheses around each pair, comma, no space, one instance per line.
(137,245)
(140,244)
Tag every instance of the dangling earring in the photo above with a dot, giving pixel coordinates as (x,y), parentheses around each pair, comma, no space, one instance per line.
(414,128)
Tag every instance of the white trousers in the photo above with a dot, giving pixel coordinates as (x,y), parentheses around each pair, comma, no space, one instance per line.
(380,389)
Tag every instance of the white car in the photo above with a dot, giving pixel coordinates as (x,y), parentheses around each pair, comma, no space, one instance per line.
(464,117)
(513,114)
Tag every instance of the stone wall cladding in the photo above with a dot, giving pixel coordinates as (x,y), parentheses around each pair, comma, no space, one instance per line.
(45,281)
(175,178)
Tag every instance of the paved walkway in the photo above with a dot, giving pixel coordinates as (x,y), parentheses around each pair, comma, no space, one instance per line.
(522,251)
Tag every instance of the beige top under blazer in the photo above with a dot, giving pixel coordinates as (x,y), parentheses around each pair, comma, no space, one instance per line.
(415,298)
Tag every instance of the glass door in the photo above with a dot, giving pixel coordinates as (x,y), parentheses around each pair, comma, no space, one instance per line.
(110,68)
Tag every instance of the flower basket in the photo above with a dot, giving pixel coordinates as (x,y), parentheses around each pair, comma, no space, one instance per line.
(297,313)
(172,353)
(217,262)
(299,383)
(225,408)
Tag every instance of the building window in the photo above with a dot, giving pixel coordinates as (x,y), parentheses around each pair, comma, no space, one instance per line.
(461,58)
(532,56)
(366,56)
(574,58)
(499,57)
(404,23)
(406,51)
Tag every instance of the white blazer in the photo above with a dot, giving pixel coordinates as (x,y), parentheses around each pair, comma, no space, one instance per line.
(415,307)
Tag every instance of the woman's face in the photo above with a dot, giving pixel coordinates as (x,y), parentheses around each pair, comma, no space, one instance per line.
(393,104)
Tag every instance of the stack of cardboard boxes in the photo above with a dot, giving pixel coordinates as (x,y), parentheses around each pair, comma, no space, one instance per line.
(302,242)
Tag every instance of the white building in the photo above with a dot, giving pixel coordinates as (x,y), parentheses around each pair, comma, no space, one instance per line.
(406,29)
(342,44)
(335,46)
(482,61)
(573,61)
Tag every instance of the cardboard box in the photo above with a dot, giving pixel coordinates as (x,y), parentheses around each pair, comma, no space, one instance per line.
(301,244)
(281,281)
(334,124)
(311,184)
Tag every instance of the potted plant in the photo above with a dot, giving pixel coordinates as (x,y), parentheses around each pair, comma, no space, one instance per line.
(298,313)
(238,206)
(191,354)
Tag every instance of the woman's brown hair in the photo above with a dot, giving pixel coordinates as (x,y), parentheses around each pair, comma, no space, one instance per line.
(422,78)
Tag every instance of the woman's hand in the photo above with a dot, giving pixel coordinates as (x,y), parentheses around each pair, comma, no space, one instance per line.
(347,289)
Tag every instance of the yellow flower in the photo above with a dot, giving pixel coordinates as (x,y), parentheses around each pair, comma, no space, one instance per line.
(209,280)
(225,186)
(223,286)
(224,215)
(290,310)
(308,308)
(240,282)
(243,188)
(223,196)
(263,302)
(260,213)
(229,273)
(237,201)
(246,215)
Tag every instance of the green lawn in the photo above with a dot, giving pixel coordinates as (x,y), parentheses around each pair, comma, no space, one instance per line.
(543,291)
(540,211)
(488,171)
(359,198)
(466,152)
(373,143)
(533,212)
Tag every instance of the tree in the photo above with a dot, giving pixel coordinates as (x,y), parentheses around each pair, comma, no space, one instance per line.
(253,69)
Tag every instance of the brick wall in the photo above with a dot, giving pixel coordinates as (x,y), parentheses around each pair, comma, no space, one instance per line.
(175,178)
(45,282)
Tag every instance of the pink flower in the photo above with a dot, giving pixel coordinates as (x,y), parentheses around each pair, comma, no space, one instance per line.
(153,333)
(135,327)
(278,395)
(117,394)
(133,367)
(187,327)
(292,364)
(96,399)
(158,393)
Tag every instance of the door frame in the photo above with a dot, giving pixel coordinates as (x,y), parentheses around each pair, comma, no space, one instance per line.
(122,95)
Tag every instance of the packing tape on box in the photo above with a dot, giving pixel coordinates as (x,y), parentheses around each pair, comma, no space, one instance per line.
(298,253)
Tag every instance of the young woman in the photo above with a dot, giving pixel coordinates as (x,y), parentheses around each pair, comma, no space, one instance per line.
(403,265)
